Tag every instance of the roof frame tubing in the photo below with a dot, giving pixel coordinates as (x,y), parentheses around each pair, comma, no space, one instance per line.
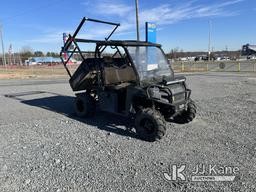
(77,47)
(70,39)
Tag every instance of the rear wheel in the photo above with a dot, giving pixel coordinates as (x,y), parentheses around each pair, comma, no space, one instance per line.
(187,115)
(85,105)
(150,125)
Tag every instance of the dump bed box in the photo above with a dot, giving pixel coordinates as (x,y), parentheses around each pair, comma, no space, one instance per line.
(85,76)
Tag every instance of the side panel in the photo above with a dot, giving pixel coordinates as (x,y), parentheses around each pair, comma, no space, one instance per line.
(108,101)
(132,93)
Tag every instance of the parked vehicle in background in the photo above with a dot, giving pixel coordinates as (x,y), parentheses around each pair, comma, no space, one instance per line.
(201,58)
(251,57)
(223,58)
(42,60)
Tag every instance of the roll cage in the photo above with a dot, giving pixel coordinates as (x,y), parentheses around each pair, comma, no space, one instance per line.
(101,45)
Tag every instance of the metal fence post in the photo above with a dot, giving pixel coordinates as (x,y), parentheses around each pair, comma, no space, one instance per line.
(239,67)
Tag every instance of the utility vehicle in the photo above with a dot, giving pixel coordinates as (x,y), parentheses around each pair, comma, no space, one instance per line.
(128,78)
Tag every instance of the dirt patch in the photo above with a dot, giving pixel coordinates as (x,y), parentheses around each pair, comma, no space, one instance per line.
(24,72)
(8,76)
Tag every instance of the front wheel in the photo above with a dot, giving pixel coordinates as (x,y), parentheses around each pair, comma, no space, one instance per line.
(150,125)
(187,115)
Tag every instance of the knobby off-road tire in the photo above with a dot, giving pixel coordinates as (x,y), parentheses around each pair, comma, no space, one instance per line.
(85,105)
(187,115)
(150,125)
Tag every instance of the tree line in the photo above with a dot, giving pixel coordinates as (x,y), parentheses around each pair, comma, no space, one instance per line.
(27,52)
(19,58)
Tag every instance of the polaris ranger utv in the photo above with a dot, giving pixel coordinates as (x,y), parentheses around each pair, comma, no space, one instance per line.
(128,78)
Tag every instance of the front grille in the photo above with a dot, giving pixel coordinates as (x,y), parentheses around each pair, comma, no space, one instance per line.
(179,97)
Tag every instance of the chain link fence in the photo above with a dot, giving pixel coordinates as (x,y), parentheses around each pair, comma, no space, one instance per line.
(215,66)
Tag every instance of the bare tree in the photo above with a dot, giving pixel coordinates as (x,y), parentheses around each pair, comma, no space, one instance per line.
(26,52)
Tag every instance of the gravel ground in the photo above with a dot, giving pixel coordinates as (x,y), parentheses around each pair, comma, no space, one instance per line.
(44,147)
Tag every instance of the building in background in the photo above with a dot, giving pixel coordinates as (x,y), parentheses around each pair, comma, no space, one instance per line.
(42,60)
(248,50)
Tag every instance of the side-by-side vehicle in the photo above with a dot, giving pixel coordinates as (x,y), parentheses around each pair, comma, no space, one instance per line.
(128,78)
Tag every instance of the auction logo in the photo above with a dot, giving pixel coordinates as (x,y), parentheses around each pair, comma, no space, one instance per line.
(176,173)
(202,172)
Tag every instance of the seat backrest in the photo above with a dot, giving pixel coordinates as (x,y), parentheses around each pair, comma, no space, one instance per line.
(110,76)
(115,76)
(126,74)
